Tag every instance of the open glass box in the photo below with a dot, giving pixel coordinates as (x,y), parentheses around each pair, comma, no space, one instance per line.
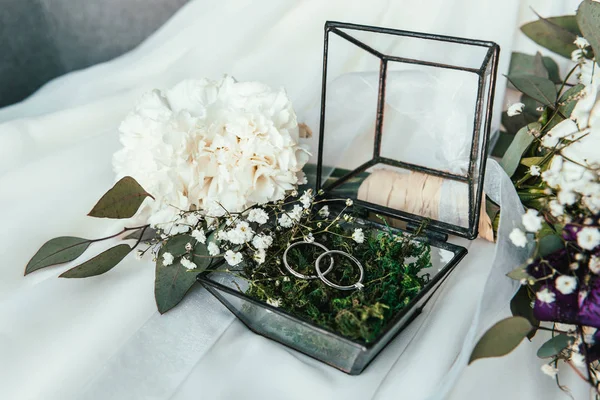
(404,122)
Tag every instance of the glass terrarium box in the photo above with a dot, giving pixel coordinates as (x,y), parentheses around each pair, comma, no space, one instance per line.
(402,132)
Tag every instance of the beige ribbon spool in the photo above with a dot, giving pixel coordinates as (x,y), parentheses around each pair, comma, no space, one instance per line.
(416,193)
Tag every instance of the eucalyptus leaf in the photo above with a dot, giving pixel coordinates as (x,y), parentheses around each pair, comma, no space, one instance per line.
(526,64)
(502,143)
(57,251)
(171,284)
(502,338)
(143,235)
(121,201)
(549,244)
(538,88)
(518,274)
(531,106)
(100,264)
(529,161)
(520,306)
(552,68)
(176,244)
(554,346)
(519,145)
(557,34)
(588,19)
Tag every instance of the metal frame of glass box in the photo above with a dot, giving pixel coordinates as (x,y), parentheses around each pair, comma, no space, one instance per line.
(354,356)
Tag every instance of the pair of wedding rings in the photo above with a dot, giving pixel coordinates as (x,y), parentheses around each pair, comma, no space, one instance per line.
(321,274)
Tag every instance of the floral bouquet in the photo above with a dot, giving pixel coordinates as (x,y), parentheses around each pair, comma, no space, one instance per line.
(554,161)
(208,180)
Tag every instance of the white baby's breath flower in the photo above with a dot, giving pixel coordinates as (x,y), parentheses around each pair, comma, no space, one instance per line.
(545,296)
(594,265)
(561,130)
(242,233)
(285,221)
(167,258)
(306,198)
(199,235)
(349,202)
(213,249)
(324,212)
(578,359)
(273,302)
(588,238)
(309,238)
(577,56)
(296,212)
(515,109)
(258,215)
(210,145)
(581,42)
(233,257)
(532,220)
(187,263)
(565,284)
(556,208)
(262,241)
(518,237)
(259,256)
(534,170)
(188,247)
(549,370)
(566,197)
(358,236)
(222,235)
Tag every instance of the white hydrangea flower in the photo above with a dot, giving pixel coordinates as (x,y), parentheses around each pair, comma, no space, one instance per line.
(594,265)
(532,220)
(210,145)
(213,249)
(262,241)
(258,215)
(545,296)
(534,170)
(358,236)
(518,237)
(515,109)
(188,264)
(233,257)
(549,370)
(199,235)
(324,212)
(588,238)
(167,258)
(565,284)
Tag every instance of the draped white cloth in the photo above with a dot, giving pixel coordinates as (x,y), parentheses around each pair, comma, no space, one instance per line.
(101,338)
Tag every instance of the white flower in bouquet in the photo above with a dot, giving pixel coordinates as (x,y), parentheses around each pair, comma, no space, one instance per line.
(214,145)
(594,265)
(532,221)
(213,249)
(358,236)
(545,296)
(324,212)
(168,258)
(588,238)
(518,237)
(565,284)
(258,215)
(233,257)
(515,109)
(188,264)
(549,370)
(199,235)
(262,241)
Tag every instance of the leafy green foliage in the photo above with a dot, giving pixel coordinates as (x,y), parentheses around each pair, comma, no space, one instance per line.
(556,34)
(538,88)
(100,264)
(121,201)
(521,306)
(502,338)
(57,251)
(554,346)
(588,20)
(142,234)
(538,65)
(517,148)
(172,282)
(393,276)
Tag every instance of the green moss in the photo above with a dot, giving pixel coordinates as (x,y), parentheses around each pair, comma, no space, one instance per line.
(393,266)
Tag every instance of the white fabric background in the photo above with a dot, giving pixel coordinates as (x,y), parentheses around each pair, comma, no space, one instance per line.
(101,337)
